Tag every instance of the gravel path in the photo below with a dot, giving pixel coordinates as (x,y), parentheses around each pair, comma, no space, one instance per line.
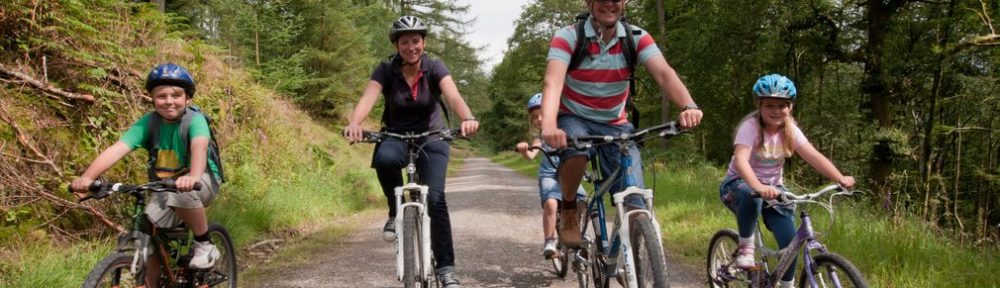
(496,221)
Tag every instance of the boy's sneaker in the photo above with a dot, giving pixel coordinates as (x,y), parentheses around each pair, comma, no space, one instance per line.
(448,280)
(389,231)
(550,250)
(205,255)
(744,257)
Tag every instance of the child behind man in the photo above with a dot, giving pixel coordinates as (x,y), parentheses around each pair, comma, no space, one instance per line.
(548,186)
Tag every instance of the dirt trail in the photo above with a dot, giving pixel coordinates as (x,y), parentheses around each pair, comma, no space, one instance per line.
(496,221)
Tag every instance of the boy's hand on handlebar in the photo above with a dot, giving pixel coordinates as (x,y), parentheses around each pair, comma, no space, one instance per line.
(185,183)
(81,187)
(353,132)
(521,147)
(469,127)
(846,182)
(690,118)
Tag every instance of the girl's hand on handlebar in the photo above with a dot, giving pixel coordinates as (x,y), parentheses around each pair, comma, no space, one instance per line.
(469,127)
(353,132)
(767,192)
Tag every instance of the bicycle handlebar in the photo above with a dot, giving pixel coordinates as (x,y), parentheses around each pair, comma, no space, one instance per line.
(100,189)
(446,134)
(666,130)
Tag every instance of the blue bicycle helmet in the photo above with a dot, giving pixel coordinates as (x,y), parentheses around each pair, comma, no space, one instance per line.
(774,86)
(535,102)
(170,74)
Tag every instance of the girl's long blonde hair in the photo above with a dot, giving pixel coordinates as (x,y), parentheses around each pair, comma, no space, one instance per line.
(787,134)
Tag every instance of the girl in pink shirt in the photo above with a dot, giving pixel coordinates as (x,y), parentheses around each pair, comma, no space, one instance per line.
(763,140)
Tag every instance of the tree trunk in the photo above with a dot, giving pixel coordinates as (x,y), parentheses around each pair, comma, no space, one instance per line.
(875,87)
(160,4)
(661,23)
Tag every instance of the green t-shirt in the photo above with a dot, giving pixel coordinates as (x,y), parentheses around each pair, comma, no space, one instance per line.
(172,155)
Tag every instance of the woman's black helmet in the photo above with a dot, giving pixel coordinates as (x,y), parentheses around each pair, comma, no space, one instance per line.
(406,24)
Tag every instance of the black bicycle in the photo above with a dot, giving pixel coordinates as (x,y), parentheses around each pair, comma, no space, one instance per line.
(126,265)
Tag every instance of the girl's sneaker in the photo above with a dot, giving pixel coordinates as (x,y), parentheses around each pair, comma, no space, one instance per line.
(744,257)
(550,250)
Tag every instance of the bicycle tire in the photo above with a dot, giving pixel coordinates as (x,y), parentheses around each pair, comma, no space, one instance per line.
(411,247)
(109,272)
(650,263)
(597,255)
(560,263)
(224,273)
(827,268)
(721,252)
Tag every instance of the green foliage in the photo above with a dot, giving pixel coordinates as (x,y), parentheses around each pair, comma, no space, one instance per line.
(286,170)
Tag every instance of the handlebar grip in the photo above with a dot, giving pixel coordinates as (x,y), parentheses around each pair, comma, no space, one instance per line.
(95,186)
(172,184)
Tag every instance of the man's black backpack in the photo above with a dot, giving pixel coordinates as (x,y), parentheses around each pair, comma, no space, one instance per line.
(630,52)
(153,141)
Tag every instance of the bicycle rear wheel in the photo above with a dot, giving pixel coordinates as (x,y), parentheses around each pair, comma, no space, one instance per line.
(560,262)
(596,254)
(650,263)
(720,269)
(832,270)
(112,271)
(411,247)
(223,274)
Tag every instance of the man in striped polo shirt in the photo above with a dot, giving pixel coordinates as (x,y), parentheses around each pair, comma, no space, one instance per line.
(591,99)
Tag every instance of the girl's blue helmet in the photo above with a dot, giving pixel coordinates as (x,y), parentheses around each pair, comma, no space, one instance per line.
(170,74)
(774,86)
(535,102)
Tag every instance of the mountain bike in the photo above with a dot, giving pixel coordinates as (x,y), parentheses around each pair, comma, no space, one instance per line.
(126,265)
(633,254)
(820,267)
(414,258)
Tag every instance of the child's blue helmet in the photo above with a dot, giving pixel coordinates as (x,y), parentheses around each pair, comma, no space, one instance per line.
(535,102)
(774,86)
(170,74)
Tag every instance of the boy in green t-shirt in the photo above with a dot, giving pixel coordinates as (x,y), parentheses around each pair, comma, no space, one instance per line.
(172,88)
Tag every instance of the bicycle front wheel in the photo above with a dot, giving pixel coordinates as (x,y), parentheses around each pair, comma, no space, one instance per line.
(560,262)
(831,270)
(411,247)
(223,274)
(650,264)
(112,271)
(720,270)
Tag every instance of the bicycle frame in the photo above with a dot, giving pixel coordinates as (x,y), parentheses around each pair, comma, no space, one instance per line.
(618,251)
(805,236)
(145,235)
(805,241)
(414,195)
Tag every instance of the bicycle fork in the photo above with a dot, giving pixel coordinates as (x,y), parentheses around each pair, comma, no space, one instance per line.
(623,233)
(404,193)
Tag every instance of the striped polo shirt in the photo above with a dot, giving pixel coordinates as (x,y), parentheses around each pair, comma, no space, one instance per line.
(597,90)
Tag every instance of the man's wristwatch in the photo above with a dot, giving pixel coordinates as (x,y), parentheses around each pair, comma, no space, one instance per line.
(690,107)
